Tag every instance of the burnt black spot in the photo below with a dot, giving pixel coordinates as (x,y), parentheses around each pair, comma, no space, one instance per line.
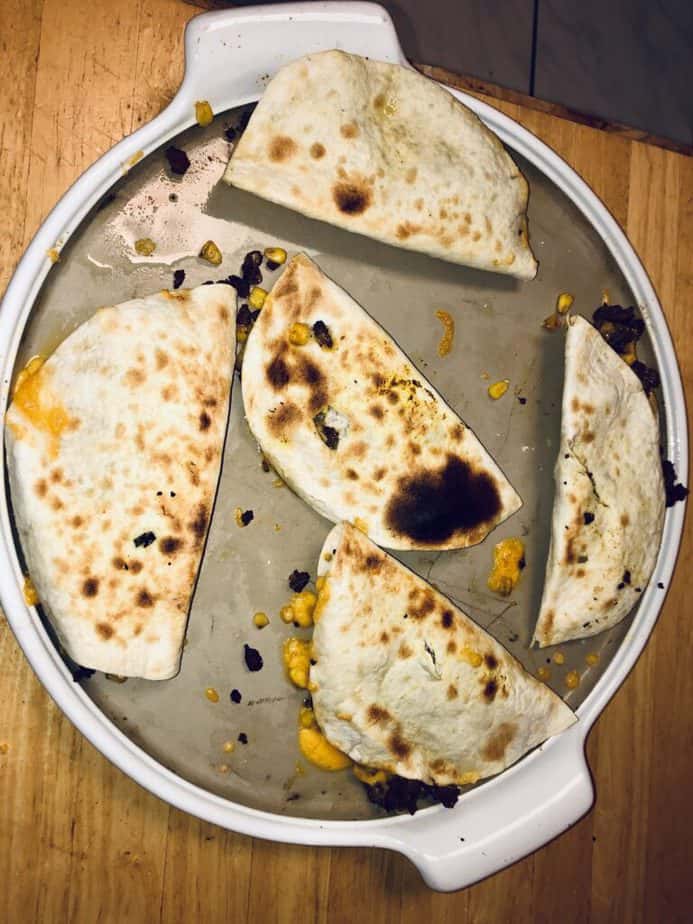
(490,691)
(372,562)
(432,506)
(626,577)
(351,199)
(399,747)
(298,580)
(491,662)
(169,545)
(178,160)
(145,599)
(447,619)
(278,374)
(322,335)
(328,435)
(205,421)
(587,517)
(253,658)
(90,587)
(144,540)
(198,525)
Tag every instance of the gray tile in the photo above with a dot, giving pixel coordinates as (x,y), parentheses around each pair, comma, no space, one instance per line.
(624,60)
(491,39)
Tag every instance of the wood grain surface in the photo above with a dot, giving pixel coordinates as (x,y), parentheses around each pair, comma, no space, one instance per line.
(80,842)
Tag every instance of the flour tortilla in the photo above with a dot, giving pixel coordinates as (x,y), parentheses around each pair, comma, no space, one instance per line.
(403,680)
(608,510)
(405,466)
(119,434)
(383,151)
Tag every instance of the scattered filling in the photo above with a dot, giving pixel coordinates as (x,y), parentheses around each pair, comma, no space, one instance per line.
(315,747)
(296,654)
(253,658)
(322,335)
(115,678)
(212,695)
(53,254)
(369,776)
(243,738)
(498,389)
(329,435)
(261,620)
(398,794)
(235,696)
(178,160)
(275,257)
(34,398)
(211,253)
(144,540)
(300,609)
(31,597)
(228,747)
(243,517)
(298,580)
(178,278)
(564,303)
(257,297)
(448,322)
(203,113)
(145,246)
(361,524)
(672,489)
(508,562)
(299,334)
(622,329)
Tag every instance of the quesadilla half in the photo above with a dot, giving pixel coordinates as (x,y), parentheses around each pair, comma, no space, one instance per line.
(383,151)
(113,450)
(608,509)
(404,681)
(356,430)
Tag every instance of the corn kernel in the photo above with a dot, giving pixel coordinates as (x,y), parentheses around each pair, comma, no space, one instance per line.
(211,253)
(564,302)
(296,654)
(212,695)
(287,613)
(31,598)
(592,659)
(543,673)
(306,717)
(257,297)
(559,658)
(498,389)
(299,334)
(471,657)
(229,747)
(145,247)
(261,620)
(361,524)
(275,255)
(203,113)
(572,680)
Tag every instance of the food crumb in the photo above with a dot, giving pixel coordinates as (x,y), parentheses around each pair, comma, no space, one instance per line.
(145,246)
(178,278)
(115,678)
(559,658)
(53,254)
(253,658)
(243,738)
(261,620)
(660,585)
(243,517)
(278,483)
(277,527)
(448,322)
(257,297)
(498,389)
(203,113)
(211,253)
(572,680)
(31,597)
(212,695)
(275,256)
(228,747)
(178,160)
(361,524)
(223,768)
(543,673)
(592,659)
(235,696)
(508,562)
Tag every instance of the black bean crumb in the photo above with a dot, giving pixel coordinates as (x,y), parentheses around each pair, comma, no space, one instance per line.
(80,673)
(242,286)
(243,738)
(582,559)
(178,160)
(649,377)
(298,580)
(522,400)
(230,133)
(673,490)
(253,658)
(620,586)
(265,465)
(522,564)
(250,270)
(271,265)
(638,590)
(178,278)
(626,577)
(587,517)
(235,696)
(660,585)
(308,701)
(247,517)
(328,435)
(172,493)
(399,794)
(144,540)
(159,493)
(322,335)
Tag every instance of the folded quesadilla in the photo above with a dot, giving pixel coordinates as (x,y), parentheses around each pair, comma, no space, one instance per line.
(356,430)
(383,151)
(404,681)
(113,450)
(608,510)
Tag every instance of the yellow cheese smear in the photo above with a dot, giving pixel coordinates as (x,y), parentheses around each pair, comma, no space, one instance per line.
(508,561)
(33,398)
(296,654)
(314,745)
(31,597)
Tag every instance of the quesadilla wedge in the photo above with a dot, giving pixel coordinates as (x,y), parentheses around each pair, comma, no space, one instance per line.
(404,681)
(356,430)
(608,509)
(113,450)
(383,151)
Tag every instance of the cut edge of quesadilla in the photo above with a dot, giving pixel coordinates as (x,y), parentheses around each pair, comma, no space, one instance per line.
(608,511)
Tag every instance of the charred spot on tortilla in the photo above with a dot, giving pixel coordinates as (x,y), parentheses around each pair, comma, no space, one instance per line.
(398,746)
(497,744)
(432,506)
(278,374)
(351,198)
(286,415)
(120,564)
(105,631)
(281,148)
(378,715)
(198,525)
(144,599)
(135,566)
(327,434)
(376,410)
(144,540)
(587,518)
(491,662)
(447,620)
(169,545)
(490,690)
(205,421)
(90,587)
(317,150)
(322,335)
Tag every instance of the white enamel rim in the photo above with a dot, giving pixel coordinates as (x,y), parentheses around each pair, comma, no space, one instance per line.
(226,53)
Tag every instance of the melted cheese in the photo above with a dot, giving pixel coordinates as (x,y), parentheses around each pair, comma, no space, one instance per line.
(323,589)
(33,398)
(508,561)
(317,749)
(296,654)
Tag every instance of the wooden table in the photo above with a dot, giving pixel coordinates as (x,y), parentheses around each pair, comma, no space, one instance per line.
(79,841)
